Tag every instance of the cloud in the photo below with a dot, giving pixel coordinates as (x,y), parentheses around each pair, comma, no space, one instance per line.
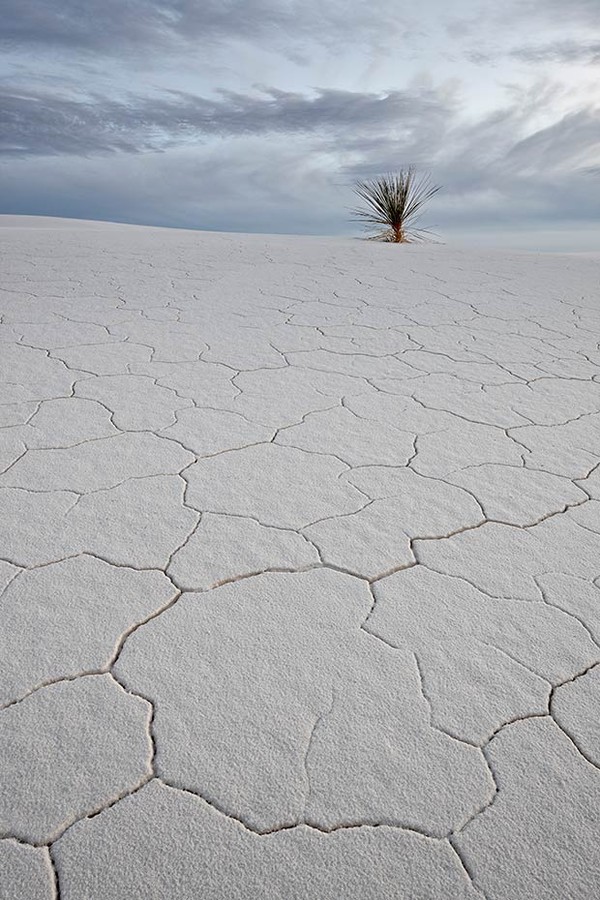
(233,186)
(572,143)
(115,25)
(571,51)
(563,14)
(489,33)
(36,123)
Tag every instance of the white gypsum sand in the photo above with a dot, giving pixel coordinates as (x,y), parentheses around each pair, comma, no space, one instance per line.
(300,562)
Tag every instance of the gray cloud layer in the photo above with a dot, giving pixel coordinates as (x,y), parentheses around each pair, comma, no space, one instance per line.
(110,25)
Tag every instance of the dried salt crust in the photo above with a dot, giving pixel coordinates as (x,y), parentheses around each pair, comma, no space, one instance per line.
(299,559)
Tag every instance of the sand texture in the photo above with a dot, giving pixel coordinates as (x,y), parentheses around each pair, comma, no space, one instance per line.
(300,568)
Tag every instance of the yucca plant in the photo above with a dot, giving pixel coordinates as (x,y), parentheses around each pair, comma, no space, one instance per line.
(394,203)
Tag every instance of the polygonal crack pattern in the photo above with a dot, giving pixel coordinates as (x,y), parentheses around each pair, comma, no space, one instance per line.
(299,569)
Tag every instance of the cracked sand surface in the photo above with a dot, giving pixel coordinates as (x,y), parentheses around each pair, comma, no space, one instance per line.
(300,568)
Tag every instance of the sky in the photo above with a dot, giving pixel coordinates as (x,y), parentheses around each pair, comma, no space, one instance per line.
(260,115)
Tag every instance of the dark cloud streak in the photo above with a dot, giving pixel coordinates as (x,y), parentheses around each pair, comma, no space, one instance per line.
(34,123)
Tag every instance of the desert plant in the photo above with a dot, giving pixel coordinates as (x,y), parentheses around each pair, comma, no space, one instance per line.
(394,203)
